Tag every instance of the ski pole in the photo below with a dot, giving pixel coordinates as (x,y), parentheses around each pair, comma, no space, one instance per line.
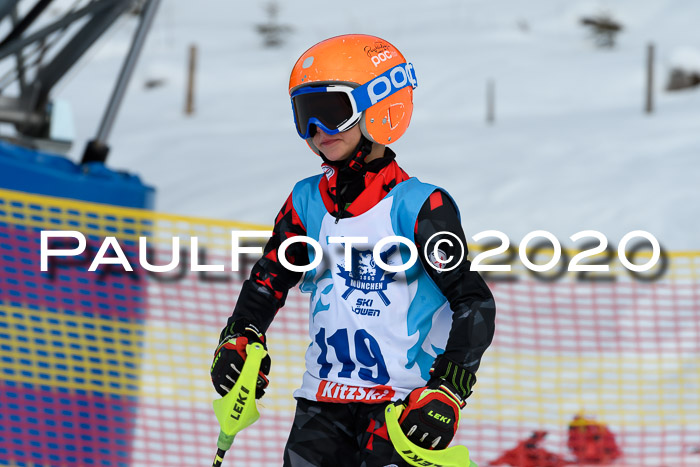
(237,410)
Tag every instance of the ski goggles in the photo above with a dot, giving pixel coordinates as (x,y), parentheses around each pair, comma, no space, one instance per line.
(338,107)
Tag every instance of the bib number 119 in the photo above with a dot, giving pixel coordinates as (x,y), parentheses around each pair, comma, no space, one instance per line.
(367,354)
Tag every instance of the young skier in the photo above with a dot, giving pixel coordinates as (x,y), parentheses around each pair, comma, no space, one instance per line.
(377,336)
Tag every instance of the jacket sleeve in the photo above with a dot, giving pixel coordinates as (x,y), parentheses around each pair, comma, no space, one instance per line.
(265,291)
(467,293)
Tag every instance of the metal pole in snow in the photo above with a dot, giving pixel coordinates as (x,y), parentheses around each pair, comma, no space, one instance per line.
(490,101)
(649,108)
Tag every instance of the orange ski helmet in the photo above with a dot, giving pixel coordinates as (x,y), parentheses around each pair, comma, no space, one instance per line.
(351,79)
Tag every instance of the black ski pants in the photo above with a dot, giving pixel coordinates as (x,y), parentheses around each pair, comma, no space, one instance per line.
(328,434)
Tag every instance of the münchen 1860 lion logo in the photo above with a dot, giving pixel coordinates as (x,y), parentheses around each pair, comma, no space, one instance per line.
(365,275)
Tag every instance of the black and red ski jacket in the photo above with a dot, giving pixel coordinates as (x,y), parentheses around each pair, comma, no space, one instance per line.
(349,193)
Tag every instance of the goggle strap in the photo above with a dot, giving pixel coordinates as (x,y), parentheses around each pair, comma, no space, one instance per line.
(384,85)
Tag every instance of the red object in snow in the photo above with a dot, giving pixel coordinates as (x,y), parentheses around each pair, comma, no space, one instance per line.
(591,441)
(528,454)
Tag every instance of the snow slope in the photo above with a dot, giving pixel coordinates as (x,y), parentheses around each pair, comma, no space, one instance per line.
(571,148)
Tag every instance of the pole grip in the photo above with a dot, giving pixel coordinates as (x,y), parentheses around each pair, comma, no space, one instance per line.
(455,456)
(237,410)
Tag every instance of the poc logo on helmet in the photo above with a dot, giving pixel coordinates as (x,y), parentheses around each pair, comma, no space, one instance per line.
(382,86)
(381,57)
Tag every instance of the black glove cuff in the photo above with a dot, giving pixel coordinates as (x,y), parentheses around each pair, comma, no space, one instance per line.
(242,328)
(454,376)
